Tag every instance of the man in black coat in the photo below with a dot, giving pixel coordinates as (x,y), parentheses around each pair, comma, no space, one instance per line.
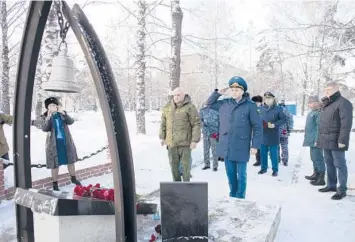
(334,133)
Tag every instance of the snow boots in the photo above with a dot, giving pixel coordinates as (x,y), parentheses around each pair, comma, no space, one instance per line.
(75,181)
(319,180)
(55,186)
(312,177)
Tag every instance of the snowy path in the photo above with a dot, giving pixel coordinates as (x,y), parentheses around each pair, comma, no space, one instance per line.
(307,215)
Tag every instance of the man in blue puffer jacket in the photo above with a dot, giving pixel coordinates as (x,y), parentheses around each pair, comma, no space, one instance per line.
(240,132)
(273,117)
(210,126)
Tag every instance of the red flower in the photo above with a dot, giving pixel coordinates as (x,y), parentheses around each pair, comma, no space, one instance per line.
(153,237)
(97,185)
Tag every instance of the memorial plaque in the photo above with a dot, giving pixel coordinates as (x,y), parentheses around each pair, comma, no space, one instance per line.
(184,211)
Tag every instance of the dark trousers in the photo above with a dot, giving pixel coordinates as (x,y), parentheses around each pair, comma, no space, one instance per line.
(273,149)
(257,156)
(336,169)
(237,178)
(317,159)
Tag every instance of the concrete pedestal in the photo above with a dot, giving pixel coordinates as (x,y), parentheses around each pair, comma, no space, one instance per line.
(235,220)
(64,217)
(89,228)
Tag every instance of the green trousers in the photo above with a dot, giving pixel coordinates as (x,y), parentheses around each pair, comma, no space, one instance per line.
(176,155)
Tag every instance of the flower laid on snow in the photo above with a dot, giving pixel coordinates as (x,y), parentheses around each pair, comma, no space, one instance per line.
(95,192)
(155,237)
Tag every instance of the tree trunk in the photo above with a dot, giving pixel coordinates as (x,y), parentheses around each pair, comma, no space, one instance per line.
(49,49)
(38,88)
(177,16)
(140,75)
(5,75)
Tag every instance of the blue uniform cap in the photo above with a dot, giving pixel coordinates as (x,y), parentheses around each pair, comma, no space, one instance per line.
(238,82)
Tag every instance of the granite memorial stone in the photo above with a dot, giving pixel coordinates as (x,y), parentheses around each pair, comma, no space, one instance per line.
(184,211)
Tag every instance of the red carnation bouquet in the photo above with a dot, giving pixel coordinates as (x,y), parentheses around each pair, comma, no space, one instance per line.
(95,192)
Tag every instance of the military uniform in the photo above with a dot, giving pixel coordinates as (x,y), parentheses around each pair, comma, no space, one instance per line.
(285,131)
(180,126)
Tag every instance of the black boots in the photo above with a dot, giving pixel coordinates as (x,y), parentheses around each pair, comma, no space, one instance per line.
(257,163)
(55,186)
(319,180)
(312,177)
(339,195)
(327,189)
(75,181)
(206,167)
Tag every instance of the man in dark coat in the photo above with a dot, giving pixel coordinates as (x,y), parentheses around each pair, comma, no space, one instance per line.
(273,117)
(334,134)
(310,140)
(259,102)
(240,132)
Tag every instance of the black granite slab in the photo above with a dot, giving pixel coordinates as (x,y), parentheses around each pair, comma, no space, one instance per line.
(67,204)
(184,211)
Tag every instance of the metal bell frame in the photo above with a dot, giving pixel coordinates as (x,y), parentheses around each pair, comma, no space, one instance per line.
(115,122)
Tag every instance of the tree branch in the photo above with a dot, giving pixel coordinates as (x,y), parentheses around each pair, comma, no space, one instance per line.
(156,41)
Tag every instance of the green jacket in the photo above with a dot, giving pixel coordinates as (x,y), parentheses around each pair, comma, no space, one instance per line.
(311,129)
(4,119)
(180,125)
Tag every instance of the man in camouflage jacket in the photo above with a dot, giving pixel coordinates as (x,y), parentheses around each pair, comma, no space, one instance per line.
(285,131)
(180,130)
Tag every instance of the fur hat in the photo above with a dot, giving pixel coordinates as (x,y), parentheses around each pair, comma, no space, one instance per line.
(50,100)
(257,99)
(313,99)
(269,94)
(238,82)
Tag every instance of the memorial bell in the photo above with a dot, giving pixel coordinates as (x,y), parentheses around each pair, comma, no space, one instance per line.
(62,78)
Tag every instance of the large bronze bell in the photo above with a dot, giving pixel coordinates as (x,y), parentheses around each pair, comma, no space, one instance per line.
(62,78)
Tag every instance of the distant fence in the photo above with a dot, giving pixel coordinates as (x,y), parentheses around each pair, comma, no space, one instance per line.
(302,130)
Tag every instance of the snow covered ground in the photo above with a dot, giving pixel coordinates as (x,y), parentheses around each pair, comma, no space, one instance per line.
(307,215)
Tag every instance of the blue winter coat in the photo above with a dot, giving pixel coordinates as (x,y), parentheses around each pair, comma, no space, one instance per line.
(240,127)
(275,115)
(209,120)
(311,129)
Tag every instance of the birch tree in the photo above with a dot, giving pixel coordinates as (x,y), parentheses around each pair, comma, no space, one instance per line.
(10,21)
(141,67)
(48,50)
(175,70)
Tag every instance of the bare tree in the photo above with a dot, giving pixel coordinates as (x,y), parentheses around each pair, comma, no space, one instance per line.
(10,20)
(177,16)
(49,48)
(141,67)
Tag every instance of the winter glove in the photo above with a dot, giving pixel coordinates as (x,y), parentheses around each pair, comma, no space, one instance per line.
(341,145)
(284,132)
(270,125)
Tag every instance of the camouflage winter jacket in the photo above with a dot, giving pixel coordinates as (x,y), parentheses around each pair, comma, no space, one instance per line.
(180,125)
(286,129)
(210,121)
